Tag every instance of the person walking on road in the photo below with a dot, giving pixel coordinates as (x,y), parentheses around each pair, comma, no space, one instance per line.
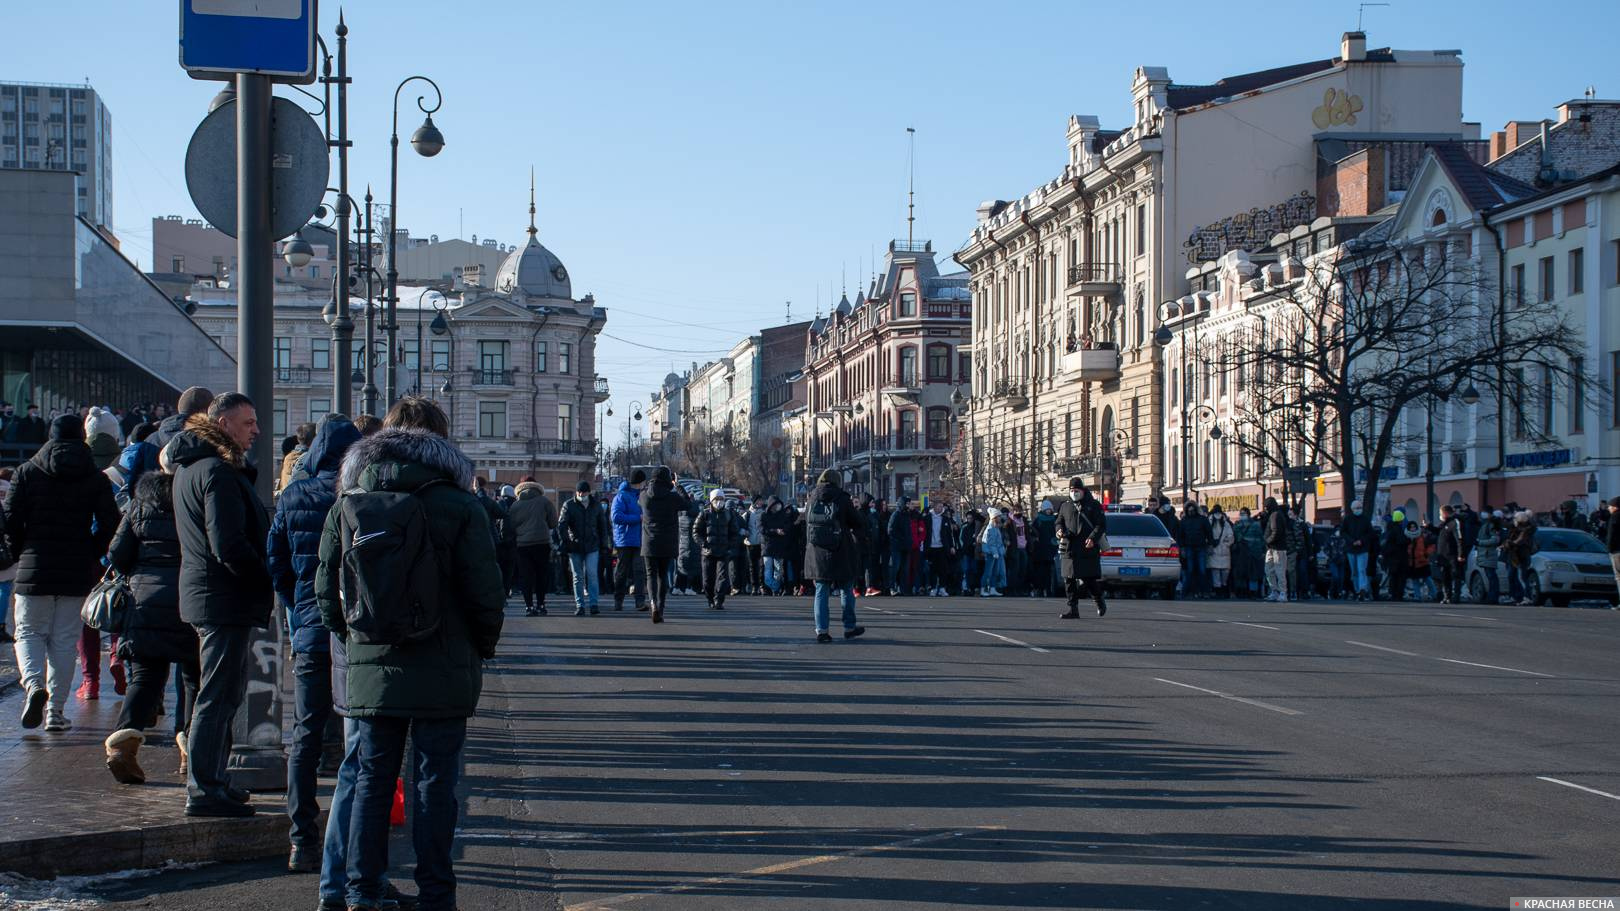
(627,565)
(1277,528)
(662,505)
(420,686)
(294,553)
(584,532)
(720,532)
(60,517)
(834,544)
(1081,528)
(777,527)
(146,551)
(939,532)
(224,584)
(532,517)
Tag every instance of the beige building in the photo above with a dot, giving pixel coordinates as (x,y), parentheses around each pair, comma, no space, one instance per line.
(514,364)
(879,376)
(1068,280)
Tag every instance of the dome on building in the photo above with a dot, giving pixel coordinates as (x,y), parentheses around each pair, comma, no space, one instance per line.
(535,271)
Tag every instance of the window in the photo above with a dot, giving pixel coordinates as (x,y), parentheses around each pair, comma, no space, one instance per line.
(283,358)
(492,420)
(1141,229)
(565,421)
(539,357)
(314,271)
(319,408)
(939,364)
(1175,383)
(492,356)
(1519,428)
(413,353)
(1516,285)
(1577,266)
(906,438)
(1175,464)
(1577,394)
(939,428)
(908,366)
(320,354)
(964,366)
(440,352)
(178,263)
(1547,289)
(565,357)
(1547,400)
(1068,435)
(1136,414)
(908,303)
(278,418)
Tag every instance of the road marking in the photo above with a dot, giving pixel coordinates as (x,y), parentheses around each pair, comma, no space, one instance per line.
(1579,787)
(885,611)
(1012,640)
(1218,620)
(1495,667)
(605,903)
(1254,702)
(1381,648)
(1439,613)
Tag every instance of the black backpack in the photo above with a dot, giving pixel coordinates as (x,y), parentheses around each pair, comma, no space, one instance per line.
(392,588)
(826,529)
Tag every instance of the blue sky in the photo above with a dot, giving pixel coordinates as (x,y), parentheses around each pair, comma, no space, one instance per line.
(702,164)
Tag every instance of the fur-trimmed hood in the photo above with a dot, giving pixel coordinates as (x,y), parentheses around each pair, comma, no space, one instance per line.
(203,439)
(407,447)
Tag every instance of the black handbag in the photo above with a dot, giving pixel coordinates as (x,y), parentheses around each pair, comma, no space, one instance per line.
(107,605)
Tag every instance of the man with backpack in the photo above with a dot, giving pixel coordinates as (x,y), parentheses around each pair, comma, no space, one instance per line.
(720,531)
(834,542)
(409,581)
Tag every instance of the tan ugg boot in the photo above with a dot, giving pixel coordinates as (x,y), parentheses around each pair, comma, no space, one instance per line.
(123,747)
(185,751)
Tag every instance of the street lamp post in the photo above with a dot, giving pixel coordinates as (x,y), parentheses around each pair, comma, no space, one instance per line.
(441,327)
(428,141)
(1202,413)
(368,392)
(633,414)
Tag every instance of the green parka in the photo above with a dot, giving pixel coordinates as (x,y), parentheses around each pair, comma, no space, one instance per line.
(441,677)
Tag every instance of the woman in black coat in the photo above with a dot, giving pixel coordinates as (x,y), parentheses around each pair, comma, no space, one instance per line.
(146,550)
(835,542)
(662,506)
(1081,527)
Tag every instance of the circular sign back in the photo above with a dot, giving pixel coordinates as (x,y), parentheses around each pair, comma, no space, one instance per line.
(299,167)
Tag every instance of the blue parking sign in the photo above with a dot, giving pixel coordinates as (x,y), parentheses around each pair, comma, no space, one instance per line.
(275,38)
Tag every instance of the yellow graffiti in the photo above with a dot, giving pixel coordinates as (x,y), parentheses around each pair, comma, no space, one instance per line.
(1337,108)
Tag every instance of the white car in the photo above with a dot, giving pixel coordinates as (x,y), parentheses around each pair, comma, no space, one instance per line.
(1141,554)
(1568,565)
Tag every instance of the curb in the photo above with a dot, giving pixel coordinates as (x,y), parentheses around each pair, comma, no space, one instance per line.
(187,841)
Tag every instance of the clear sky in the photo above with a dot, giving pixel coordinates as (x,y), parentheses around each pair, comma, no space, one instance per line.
(702,164)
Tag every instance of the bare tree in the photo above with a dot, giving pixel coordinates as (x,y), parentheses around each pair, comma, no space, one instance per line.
(1350,347)
(1008,468)
(752,466)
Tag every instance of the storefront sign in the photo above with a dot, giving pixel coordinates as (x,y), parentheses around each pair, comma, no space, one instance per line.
(1387,473)
(1545,458)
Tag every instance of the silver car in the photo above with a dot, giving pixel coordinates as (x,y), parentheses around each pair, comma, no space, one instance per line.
(1140,555)
(1568,565)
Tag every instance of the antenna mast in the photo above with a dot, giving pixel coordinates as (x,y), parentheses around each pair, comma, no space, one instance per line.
(911,184)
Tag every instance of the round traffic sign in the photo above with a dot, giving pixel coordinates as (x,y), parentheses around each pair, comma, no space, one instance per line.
(299,167)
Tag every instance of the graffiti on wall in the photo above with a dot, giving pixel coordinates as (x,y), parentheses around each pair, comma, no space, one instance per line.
(1249,231)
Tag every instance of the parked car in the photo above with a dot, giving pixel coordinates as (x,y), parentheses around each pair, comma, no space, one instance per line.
(1568,565)
(1140,555)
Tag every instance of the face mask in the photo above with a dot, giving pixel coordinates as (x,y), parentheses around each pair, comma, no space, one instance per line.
(1355,512)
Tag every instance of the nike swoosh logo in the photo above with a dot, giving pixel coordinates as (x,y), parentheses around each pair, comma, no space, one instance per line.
(361,539)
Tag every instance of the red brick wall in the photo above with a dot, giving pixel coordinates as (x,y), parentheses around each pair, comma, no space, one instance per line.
(1355,185)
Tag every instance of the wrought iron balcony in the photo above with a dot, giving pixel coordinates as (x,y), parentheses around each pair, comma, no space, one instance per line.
(1013,392)
(293,376)
(561,447)
(483,377)
(1094,279)
(1092,363)
(1089,464)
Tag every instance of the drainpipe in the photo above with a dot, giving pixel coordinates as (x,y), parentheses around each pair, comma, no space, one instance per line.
(1501,366)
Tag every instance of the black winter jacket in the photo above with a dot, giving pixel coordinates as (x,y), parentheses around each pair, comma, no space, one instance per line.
(1358,533)
(169,428)
(778,524)
(583,527)
(1276,526)
(840,565)
(1195,531)
(662,505)
(223,530)
(295,535)
(146,549)
(719,532)
(60,517)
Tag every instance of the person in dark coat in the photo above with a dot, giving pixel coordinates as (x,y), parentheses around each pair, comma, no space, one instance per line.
(899,528)
(584,531)
(1396,556)
(194,400)
(295,554)
(532,517)
(777,526)
(873,560)
(835,539)
(1359,540)
(60,517)
(146,551)
(1195,539)
(719,531)
(426,690)
(29,430)
(1081,526)
(1449,555)
(224,584)
(662,505)
(689,556)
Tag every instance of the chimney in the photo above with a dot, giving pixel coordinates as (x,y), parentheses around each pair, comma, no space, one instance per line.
(1353,46)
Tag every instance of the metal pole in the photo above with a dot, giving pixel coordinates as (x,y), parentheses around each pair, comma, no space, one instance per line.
(342,324)
(369,390)
(1428,464)
(257,759)
(391,302)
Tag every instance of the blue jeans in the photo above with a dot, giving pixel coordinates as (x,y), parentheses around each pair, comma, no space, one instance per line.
(586,591)
(1358,572)
(335,850)
(897,571)
(824,591)
(5,604)
(775,573)
(995,572)
(437,758)
(1192,575)
(312,706)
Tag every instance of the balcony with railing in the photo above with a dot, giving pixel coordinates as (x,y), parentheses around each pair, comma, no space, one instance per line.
(1090,464)
(292,376)
(481,376)
(1091,364)
(1094,279)
(1013,393)
(897,442)
(561,447)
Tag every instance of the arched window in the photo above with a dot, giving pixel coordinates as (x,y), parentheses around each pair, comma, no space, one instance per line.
(908,366)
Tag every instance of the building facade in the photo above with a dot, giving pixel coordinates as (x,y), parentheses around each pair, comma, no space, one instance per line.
(1068,281)
(61,128)
(884,377)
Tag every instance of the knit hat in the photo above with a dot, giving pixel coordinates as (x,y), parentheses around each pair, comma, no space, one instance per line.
(638,476)
(508,491)
(716,495)
(828,476)
(1077,483)
(582,487)
(67,427)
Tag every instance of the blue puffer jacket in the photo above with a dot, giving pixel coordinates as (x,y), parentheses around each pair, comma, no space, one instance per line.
(626,517)
(295,534)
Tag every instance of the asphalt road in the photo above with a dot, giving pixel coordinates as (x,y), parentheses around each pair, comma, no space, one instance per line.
(974,754)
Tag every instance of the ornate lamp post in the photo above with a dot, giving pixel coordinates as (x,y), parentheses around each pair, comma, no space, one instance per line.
(428,142)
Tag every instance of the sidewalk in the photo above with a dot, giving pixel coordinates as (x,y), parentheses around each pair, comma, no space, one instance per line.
(65,815)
